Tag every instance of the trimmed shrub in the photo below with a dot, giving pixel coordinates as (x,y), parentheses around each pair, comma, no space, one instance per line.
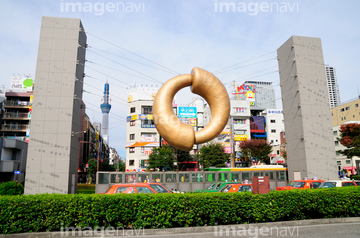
(36,213)
(8,188)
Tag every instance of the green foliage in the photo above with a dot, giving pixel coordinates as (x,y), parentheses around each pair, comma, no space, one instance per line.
(8,188)
(213,154)
(83,188)
(161,158)
(350,138)
(257,149)
(51,212)
(92,166)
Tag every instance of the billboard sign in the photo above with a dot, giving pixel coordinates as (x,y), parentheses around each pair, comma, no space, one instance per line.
(187,112)
(257,124)
(240,137)
(22,84)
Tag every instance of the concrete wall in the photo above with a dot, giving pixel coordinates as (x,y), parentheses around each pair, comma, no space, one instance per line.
(310,145)
(53,153)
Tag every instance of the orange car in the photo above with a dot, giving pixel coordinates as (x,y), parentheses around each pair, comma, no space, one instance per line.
(236,187)
(137,188)
(289,186)
(306,184)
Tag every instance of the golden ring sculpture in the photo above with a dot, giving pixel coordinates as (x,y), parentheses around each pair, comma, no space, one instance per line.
(178,134)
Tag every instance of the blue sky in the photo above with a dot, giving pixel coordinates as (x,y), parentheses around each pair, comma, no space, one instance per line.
(180,35)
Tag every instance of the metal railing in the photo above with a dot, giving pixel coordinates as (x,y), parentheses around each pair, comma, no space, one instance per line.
(18,127)
(15,115)
(185,180)
(16,103)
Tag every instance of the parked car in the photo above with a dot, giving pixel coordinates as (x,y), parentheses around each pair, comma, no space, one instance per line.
(289,186)
(215,187)
(137,188)
(236,187)
(306,184)
(337,183)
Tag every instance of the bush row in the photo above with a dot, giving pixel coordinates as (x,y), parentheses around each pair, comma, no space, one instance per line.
(51,212)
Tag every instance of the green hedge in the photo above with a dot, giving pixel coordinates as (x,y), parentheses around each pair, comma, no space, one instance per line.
(36,213)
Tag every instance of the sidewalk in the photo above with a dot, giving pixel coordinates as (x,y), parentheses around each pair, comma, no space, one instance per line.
(188,232)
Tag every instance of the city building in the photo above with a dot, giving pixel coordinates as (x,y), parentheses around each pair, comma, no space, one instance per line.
(333,88)
(141,134)
(346,111)
(53,151)
(260,94)
(274,130)
(15,121)
(309,141)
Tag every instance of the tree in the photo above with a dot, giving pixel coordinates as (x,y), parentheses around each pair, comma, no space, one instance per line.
(350,138)
(213,154)
(161,158)
(181,156)
(257,149)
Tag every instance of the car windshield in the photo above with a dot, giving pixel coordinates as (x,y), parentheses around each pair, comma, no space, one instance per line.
(316,184)
(158,188)
(246,188)
(292,183)
(210,186)
(328,185)
(299,185)
(226,188)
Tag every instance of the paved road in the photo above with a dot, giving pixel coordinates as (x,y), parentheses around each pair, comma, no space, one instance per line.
(338,230)
(316,228)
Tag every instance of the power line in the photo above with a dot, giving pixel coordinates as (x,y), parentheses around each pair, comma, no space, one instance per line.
(243,66)
(149,77)
(243,62)
(132,53)
(137,76)
(133,60)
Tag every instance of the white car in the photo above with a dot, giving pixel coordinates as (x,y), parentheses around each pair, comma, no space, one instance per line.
(337,183)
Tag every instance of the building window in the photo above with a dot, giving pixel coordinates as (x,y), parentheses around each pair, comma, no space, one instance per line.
(276,140)
(272,121)
(338,162)
(342,109)
(332,114)
(348,161)
(337,153)
(356,105)
(146,110)
(344,118)
(347,108)
(132,136)
(278,152)
(336,143)
(272,141)
(132,110)
(335,133)
(147,122)
(131,162)
(132,123)
(273,131)
(132,150)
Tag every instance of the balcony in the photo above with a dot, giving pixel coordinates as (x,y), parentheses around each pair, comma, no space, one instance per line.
(16,116)
(14,127)
(16,104)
